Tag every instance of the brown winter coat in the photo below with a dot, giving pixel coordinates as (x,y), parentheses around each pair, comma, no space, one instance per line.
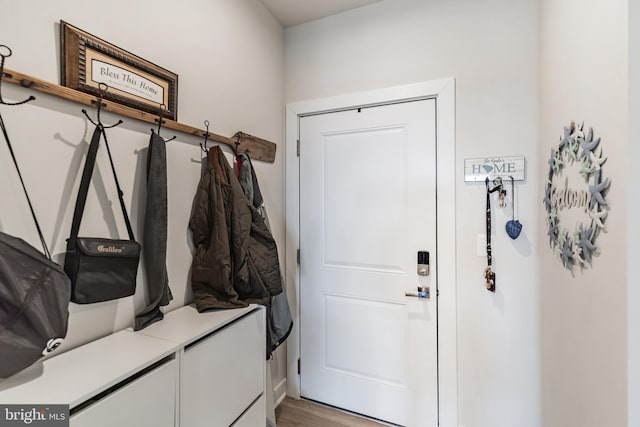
(236,259)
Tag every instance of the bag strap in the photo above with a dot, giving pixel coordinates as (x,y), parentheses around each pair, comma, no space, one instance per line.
(120,192)
(84,186)
(24,188)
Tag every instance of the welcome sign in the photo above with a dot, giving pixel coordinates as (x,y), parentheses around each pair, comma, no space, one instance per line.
(575,196)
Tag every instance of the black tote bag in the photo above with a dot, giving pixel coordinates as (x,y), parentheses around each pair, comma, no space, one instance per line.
(100,269)
(34,297)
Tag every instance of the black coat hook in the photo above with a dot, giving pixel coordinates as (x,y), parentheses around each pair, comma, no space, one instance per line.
(102,89)
(6,52)
(203,146)
(160,120)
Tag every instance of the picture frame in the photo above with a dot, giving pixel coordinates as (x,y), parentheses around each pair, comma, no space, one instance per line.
(87,61)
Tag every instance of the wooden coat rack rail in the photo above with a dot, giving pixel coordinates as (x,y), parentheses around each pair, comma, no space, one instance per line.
(257,148)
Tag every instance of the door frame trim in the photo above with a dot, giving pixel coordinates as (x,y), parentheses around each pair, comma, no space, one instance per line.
(443,91)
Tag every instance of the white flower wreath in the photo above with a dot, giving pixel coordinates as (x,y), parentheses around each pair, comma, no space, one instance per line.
(576,148)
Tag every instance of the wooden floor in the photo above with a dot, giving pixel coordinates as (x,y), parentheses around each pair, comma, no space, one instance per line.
(302,413)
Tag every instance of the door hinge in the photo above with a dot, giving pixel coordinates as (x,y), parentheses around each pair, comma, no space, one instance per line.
(298,148)
(298,256)
(298,366)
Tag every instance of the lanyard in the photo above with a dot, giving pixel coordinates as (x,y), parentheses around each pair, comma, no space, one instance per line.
(489,275)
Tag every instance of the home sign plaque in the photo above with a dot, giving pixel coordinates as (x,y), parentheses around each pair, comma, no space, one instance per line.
(494,167)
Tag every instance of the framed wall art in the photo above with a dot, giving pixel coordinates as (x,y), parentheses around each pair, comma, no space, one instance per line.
(88,61)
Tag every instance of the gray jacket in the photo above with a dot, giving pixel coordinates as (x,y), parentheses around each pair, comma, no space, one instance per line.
(278,312)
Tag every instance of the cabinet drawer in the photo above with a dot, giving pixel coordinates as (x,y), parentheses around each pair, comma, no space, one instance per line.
(223,373)
(148,401)
(255,416)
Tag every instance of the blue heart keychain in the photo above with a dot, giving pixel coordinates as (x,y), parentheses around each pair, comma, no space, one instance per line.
(513,226)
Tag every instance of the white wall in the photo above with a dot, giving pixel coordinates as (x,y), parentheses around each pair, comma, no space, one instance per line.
(584,320)
(490,47)
(633,196)
(229,56)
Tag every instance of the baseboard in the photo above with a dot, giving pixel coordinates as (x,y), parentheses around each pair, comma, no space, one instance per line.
(280,391)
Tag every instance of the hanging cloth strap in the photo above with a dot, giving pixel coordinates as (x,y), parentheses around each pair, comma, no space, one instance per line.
(86,180)
(154,236)
(33,214)
(489,275)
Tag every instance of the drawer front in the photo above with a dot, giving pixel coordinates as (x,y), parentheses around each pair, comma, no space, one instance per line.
(223,374)
(255,416)
(149,401)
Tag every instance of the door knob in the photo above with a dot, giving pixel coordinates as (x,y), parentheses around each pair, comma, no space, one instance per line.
(422,292)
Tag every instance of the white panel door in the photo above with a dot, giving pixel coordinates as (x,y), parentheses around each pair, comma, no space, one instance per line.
(367,206)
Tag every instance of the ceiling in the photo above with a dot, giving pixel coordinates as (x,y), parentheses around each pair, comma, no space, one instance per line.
(295,12)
